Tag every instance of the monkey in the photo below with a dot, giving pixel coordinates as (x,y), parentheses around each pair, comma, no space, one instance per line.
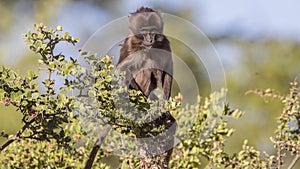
(146,58)
(146,26)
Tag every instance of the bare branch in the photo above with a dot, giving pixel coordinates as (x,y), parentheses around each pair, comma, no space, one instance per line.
(18,135)
(96,147)
(294,161)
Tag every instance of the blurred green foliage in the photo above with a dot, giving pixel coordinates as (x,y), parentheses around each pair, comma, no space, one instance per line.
(262,63)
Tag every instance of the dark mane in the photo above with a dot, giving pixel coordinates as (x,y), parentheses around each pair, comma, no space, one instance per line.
(144,9)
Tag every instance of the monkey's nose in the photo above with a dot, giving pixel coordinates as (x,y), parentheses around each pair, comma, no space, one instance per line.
(149,40)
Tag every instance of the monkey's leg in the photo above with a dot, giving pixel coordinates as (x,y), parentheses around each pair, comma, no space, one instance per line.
(172,126)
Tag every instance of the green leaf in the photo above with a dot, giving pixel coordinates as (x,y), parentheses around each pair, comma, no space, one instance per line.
(59,28)
(32,75)
(38,43)
(16,96)
(35,95)
(92,93)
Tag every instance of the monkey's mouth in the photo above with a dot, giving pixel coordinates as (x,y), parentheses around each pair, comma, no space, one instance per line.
(148,45)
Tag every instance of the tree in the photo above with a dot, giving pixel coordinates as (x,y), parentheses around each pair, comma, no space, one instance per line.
(56,134)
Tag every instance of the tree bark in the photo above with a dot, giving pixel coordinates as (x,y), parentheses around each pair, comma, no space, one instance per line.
(97,145)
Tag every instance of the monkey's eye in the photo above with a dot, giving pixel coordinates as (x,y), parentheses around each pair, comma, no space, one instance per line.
(140,36)
(159,37)
(148,30)
(154,31)
(144,32)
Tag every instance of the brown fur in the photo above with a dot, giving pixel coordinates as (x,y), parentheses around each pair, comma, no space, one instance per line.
(144,9)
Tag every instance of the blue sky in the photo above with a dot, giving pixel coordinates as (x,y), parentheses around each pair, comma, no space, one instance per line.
(252,17)
(271,18)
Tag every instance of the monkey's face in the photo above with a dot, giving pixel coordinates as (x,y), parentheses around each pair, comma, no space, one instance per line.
(148,38)
(146,26)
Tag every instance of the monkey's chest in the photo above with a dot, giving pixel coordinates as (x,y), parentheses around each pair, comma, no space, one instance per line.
(146,60)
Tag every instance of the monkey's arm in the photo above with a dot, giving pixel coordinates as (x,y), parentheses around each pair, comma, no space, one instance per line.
(124,52)
(167,84)
(168,69)
(167,79)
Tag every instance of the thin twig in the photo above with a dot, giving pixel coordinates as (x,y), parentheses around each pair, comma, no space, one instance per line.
(293,163)
(97,145)
(265,94)
(18,135)
(279,157)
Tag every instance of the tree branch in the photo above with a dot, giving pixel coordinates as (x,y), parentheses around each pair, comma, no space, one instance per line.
(97,145)
(18,135)
(294,161)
